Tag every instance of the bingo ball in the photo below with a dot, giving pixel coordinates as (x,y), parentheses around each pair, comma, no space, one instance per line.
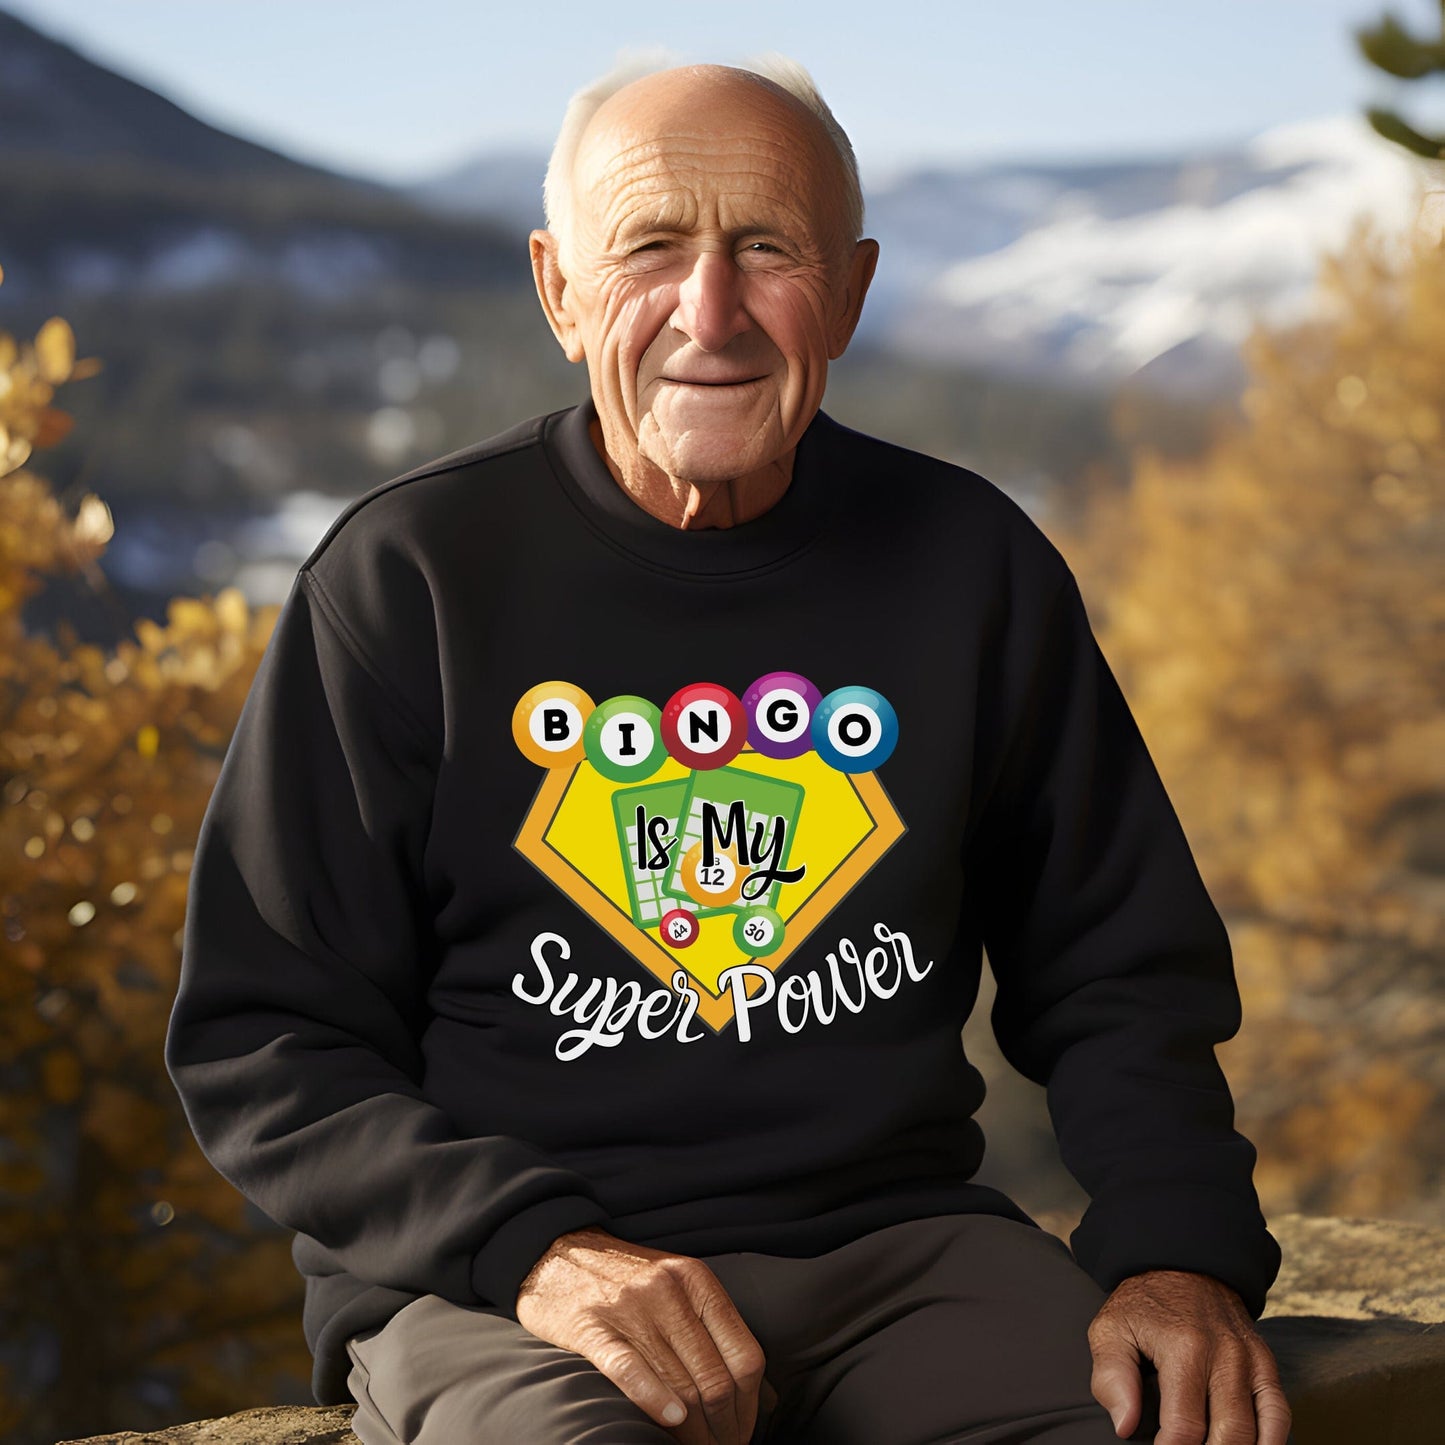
(548,721)
(622,739)
(678,928)
(704,725)
(855,729)
(780,708)
(758,930)
(717,885)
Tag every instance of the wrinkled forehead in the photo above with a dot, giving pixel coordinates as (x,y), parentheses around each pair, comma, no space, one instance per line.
(638,161)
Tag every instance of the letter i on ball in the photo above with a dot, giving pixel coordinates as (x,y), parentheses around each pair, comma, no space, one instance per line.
(623,739)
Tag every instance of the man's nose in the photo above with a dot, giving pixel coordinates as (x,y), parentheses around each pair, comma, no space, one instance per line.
(710,302)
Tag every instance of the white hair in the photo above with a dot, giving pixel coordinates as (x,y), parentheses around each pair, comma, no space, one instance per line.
(557,191)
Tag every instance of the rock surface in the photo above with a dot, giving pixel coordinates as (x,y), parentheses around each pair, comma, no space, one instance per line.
(1358,1269)
(279,1425)
(1356,1321)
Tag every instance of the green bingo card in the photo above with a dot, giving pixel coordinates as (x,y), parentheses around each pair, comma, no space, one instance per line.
(644,887)
(765,800)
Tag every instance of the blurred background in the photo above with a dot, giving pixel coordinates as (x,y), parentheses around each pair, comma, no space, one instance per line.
(1170,275)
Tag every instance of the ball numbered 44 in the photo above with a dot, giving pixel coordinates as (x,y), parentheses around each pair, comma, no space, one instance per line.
(855,729)
(679,928)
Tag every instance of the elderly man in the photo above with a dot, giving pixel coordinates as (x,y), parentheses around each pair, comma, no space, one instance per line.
(596,886)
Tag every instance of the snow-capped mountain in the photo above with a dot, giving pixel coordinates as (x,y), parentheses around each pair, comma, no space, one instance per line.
(1102,271)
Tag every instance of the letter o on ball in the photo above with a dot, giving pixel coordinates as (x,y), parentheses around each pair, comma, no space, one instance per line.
(855,729)
(548,723)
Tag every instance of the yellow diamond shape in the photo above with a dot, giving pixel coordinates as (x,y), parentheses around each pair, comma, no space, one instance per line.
(846,824)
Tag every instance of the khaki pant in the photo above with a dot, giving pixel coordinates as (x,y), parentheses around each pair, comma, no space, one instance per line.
(958,1327)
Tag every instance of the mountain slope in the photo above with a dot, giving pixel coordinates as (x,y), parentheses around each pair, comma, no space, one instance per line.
(111,188)
(57,103)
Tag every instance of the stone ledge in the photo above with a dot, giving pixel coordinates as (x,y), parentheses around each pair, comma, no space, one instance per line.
(1356,1321)
(1358,1269)
(1360,1382)
(277,1425)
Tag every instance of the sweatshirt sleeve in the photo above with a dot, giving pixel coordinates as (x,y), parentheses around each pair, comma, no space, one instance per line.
(1114,971)
(293,1040)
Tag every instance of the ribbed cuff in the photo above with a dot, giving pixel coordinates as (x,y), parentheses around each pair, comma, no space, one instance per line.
(1210,1231)
(500,1266)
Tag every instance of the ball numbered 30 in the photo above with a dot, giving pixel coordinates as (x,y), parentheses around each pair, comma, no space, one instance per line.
(758,930)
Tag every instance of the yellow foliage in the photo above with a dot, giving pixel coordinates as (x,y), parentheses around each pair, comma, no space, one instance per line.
(1275,612)
(112,1223)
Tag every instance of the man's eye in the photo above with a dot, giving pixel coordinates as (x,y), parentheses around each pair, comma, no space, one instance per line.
(761,246)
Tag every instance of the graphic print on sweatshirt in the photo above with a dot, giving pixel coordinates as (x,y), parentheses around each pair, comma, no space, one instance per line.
(709,837)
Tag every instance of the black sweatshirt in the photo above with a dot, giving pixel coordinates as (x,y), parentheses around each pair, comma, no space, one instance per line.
(567,867)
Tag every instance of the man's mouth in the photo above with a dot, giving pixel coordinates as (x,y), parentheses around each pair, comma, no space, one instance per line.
(725,381)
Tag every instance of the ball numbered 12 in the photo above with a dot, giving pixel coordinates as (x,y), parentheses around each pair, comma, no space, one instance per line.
(855,729)
(718,884)
(548,722)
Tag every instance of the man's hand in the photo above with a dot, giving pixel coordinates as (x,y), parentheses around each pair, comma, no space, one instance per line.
(660,1326)
(1216,1373)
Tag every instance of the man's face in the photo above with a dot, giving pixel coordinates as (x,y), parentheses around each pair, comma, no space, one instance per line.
(707,277)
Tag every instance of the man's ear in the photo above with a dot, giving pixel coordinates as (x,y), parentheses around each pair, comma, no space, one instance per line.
(552,293)
(855,287)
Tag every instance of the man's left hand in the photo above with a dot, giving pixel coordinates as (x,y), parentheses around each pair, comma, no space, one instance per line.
(1218,1380)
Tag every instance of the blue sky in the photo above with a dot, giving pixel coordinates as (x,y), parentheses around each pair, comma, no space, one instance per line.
(399,90)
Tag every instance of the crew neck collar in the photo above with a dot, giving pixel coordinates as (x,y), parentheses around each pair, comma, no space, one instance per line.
(787,527)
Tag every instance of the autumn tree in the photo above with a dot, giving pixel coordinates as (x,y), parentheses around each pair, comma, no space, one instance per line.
(1275,611)
(139,1287)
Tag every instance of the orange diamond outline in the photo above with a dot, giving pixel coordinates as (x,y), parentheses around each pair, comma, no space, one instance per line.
(715,1010)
